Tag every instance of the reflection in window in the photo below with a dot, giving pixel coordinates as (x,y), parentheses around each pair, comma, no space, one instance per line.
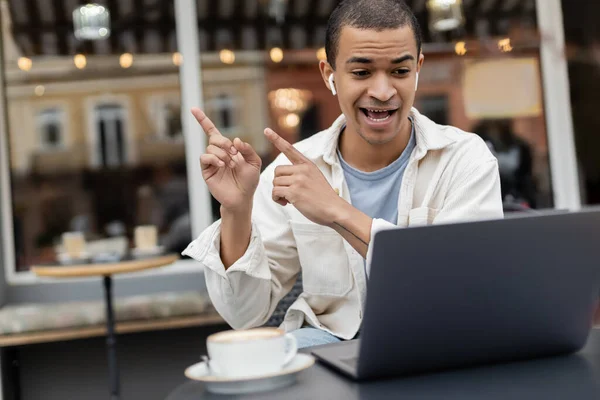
(165,112)
(172,116)
(109,120)
(51,128)
(110,175)
(223,108)
(582,38)
(515,161)
(435,108)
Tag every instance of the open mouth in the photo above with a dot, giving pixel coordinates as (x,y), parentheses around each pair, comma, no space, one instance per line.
(378,115)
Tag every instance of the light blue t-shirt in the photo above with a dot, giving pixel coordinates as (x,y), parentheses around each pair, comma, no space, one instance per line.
(376,193)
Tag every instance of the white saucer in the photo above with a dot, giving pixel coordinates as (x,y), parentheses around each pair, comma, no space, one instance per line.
(65,259)
(153,251)
(253,384)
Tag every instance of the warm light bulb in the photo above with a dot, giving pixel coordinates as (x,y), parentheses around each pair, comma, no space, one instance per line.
(24,63)
(291,120)
(460,48)
(80,61)
(322,54)
(126,60)
(505,46)
(39,90)
(177,58)
(227,56)
(276,54)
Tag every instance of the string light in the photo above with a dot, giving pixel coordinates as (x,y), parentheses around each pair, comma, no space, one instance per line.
(276,54)
(39,90)
(80,61)
(505,46)
(24,63)
(460,48)
(227,56)
(126,60)
(177,58)
(290,120)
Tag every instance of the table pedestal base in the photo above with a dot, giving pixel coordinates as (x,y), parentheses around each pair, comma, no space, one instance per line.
(111,341)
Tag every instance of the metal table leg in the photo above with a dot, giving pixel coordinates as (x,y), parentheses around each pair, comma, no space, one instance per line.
(111,340)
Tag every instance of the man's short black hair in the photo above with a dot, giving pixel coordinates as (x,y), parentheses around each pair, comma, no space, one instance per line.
(368,14)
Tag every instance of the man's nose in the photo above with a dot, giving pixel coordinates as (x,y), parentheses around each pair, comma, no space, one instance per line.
(381,88)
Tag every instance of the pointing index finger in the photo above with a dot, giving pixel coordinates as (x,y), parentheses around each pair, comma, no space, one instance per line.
(207,125)
(285,147)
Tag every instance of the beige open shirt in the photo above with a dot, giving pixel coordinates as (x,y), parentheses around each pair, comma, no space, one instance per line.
(451,176)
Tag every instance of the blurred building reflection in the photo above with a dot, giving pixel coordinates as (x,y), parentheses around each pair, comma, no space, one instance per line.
(96,141)
(95,131)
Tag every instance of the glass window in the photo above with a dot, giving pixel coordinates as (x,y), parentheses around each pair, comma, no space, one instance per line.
(87,151)
(109,120)
(165,110)
(482,74)
(435,107)
(51,128)
(223,108)
(118,128)
(582,39)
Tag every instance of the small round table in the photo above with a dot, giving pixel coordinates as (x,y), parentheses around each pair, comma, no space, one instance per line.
(106,270)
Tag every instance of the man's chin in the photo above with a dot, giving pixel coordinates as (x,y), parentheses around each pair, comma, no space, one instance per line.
(378,138)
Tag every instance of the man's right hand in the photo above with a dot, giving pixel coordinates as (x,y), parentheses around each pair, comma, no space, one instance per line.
(231,170)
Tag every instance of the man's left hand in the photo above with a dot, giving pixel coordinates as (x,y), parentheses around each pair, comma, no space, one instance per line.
(303,185)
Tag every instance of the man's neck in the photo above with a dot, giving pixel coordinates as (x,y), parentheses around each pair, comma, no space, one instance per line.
(369,157)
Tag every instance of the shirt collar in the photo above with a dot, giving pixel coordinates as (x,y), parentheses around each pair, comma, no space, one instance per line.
(429,136)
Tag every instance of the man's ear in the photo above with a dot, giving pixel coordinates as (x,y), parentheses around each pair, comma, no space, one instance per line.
(419,65)
(326,72)
(420,62)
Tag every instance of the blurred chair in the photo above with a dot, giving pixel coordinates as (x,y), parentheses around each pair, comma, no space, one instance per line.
(514,207)
(285,303)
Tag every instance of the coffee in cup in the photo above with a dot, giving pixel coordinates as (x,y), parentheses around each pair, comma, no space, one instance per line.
(252,352)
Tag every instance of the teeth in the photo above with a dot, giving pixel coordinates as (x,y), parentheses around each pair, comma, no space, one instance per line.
(379,119)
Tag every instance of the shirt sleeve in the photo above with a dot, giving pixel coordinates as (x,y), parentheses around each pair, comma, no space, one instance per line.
(476,196)
(247,293)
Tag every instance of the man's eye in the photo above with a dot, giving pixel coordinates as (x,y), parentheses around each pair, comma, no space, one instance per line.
(401,72)
(361,74)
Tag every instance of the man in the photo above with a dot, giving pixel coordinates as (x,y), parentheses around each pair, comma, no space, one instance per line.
(316,208)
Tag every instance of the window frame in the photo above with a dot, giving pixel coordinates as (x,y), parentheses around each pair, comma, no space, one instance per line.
(557,106)
(63,112)
(156,110)
(92,131)
(221,101)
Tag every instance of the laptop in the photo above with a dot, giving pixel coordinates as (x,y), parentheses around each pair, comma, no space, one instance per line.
(455,296)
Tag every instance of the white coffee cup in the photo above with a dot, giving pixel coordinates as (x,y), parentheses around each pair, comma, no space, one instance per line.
(252,352)
(74,244)
(145,237)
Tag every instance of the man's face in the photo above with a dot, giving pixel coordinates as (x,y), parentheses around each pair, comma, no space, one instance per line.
(375,79)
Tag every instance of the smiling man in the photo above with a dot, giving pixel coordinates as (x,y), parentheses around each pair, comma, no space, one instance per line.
(315,209)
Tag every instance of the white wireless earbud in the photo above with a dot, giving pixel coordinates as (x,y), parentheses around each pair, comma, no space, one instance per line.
(331,85)
(417,83)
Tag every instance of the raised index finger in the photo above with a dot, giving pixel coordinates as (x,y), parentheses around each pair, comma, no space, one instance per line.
(285,147)
(207,125)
